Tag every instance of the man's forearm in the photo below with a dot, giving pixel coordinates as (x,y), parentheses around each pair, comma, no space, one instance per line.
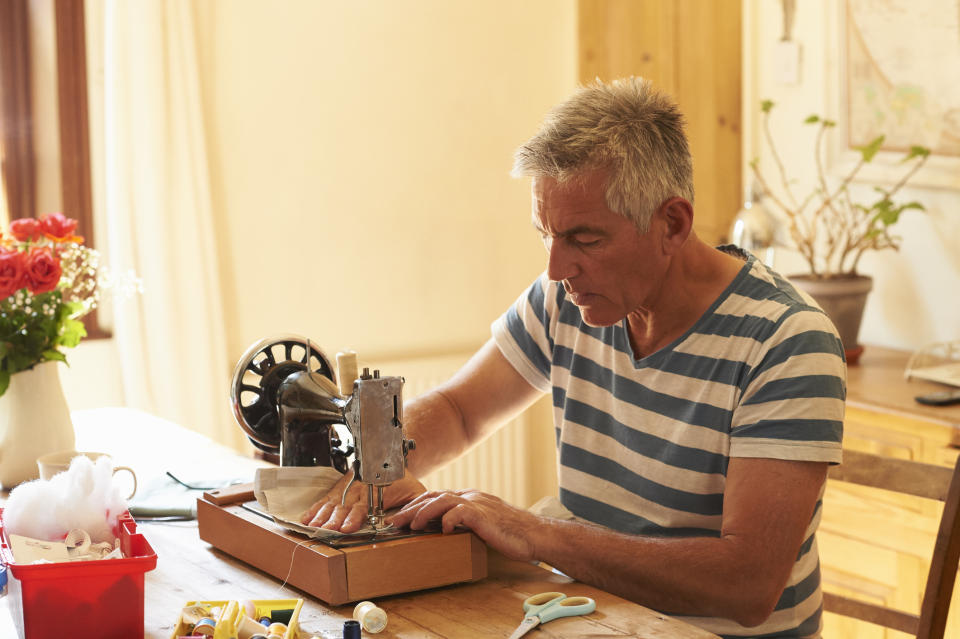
(437,426)
(712,576)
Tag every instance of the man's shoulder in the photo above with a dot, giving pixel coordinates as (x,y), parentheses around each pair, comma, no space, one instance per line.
(764,292)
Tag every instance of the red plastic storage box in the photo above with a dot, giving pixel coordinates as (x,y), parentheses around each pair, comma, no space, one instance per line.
(81,599)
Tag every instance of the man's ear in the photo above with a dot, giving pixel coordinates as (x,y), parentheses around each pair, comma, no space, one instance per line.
(677,216)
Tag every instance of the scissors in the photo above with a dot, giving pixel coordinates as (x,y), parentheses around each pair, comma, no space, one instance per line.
(548,606)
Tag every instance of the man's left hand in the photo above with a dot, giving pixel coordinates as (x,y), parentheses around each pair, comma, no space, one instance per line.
(507,529)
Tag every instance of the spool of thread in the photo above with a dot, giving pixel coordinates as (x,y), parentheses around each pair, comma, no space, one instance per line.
(248,628)
(277,629)
(281,615)
(351,629)
(346,371)
(205,627)
(372,618)
(249,609)
(190,615)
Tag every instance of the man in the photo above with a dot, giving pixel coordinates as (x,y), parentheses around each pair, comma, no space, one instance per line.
(698,396)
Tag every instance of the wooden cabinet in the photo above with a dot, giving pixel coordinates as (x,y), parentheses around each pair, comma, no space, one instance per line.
(876,545)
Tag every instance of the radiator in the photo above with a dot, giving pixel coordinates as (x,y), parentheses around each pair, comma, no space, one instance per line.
(516,463)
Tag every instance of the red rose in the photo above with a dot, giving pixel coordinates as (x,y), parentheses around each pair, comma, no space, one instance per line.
(56,226)
(26,229)
(12,272)
(43,270)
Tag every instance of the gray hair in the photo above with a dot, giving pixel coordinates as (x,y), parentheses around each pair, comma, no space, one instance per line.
(628,128)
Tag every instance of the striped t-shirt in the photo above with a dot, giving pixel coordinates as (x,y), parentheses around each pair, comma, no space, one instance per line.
(644,444)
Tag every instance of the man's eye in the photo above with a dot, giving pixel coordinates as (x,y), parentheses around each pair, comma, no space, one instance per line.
(584,242)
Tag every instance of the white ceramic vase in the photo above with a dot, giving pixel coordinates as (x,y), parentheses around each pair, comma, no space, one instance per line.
(34,420)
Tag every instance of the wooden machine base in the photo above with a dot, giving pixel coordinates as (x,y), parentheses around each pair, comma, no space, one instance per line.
(343,575)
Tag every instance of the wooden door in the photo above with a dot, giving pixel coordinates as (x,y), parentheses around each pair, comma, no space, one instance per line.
(691,49)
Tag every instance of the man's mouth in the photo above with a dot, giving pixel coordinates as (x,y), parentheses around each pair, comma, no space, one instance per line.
(579,299)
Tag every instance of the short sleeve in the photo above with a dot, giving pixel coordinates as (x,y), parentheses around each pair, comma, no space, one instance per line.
(793,404)
(522,333)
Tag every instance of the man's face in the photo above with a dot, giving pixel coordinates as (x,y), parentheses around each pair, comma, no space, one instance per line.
(606,265)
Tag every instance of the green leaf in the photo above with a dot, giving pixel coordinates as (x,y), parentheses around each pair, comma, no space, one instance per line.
(4,381)
(72,309)
(870,150)
(888,213)
(73,332)
(829,123)
(917,151)
(812,119)
(54,355)
(913,205)
(766,105)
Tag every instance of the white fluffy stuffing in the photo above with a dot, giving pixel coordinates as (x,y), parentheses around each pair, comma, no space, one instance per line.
(82,497)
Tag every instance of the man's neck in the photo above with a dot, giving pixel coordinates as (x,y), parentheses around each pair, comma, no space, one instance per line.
(696,278)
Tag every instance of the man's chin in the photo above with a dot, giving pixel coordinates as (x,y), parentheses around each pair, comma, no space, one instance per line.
(597,319)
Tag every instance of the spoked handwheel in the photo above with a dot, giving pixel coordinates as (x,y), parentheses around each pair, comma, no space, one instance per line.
(257,378)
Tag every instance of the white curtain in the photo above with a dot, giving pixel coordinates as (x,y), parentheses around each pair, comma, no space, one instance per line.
(172,348)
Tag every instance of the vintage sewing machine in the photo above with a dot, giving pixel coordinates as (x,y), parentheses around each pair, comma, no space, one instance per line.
(286,398)
(295,406)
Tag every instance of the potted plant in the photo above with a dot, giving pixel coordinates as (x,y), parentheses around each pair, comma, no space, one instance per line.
(831,231)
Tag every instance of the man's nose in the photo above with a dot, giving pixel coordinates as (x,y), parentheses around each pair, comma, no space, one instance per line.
(560,265)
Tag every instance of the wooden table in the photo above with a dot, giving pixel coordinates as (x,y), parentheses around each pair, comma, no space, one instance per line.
(189,569)
(877,383)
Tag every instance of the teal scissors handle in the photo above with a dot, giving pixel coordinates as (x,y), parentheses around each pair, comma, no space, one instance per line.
(553,605)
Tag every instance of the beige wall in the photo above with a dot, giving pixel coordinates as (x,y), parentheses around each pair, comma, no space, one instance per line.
(360,155)
(359,163)
(915,298)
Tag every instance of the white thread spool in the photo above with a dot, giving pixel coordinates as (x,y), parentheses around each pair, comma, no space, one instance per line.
(347,368)
(372,618)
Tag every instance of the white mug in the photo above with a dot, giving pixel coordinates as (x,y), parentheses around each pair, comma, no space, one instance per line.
(56,463)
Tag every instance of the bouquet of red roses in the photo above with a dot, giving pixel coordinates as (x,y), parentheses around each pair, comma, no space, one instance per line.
(48,280)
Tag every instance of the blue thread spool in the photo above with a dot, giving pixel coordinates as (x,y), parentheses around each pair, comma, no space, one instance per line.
(266,621)
(351,629)
(205,626)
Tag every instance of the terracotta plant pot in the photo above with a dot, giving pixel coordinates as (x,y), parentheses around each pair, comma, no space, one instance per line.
(843,300)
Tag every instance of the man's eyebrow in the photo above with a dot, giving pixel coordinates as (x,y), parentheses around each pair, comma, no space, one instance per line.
(575,230)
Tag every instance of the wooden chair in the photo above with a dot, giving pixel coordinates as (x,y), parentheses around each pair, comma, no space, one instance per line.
(920,480)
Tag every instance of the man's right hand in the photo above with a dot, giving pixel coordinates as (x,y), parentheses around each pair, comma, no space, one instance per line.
(352,515)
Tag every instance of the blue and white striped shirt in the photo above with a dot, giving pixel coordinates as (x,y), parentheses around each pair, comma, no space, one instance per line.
(644,444)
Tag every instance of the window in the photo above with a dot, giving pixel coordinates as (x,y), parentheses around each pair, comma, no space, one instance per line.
(17,114)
